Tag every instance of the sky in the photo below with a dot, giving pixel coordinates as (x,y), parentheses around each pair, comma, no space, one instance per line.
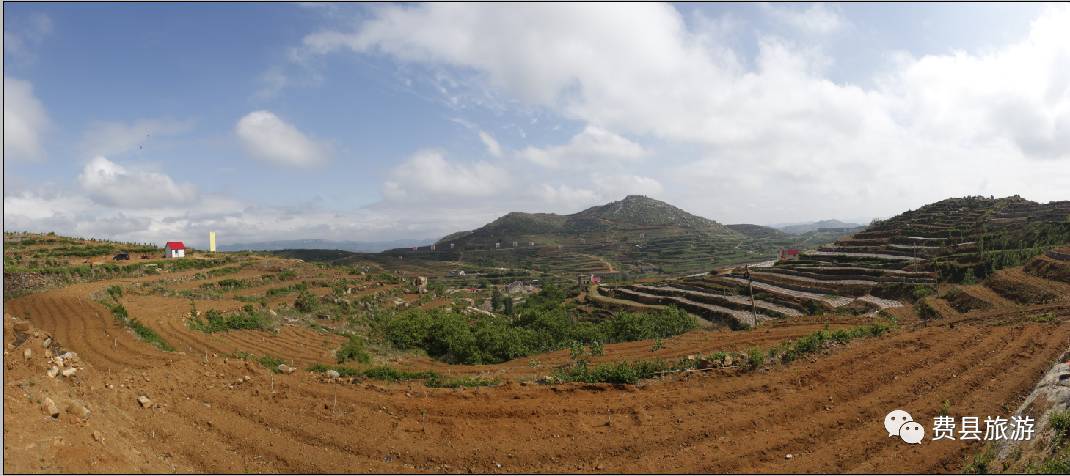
(269,121)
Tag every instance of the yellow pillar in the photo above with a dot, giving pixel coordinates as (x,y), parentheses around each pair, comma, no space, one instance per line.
(211,241)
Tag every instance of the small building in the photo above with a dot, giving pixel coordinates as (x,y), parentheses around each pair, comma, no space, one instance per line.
(790,254)
(456,272)
(585,279)
(174,249)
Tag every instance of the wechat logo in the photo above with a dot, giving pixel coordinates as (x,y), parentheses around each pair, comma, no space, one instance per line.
(900,423)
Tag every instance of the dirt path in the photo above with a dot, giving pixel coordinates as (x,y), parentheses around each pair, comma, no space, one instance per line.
(608,265)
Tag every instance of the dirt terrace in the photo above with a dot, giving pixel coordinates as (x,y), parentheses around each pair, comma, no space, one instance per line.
(825,411)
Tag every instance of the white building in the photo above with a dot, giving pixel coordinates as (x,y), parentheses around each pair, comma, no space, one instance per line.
(174,249)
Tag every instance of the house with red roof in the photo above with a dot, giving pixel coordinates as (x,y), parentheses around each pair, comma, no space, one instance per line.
(789,254)
(174,249)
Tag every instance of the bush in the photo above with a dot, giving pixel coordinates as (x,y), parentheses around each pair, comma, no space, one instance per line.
(617,372)
(544,326)
(755,359)
(353,349)
(306,302)
(215,321)
(926,310)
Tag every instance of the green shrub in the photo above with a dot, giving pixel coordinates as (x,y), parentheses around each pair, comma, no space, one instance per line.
(306,302)
(353,350)
(142,331)
(458,382)
(246,319)
(755,359)
(926,310)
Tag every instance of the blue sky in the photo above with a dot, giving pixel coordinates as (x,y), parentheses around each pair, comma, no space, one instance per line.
(162,121)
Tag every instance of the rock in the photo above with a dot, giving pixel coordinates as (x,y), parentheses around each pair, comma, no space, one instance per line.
(273,313)
(57,360)
(728,360)
(789,456)
(69,371)
(22,326)
(26,354)
(69,355)
(50,407)
(47,342)
(286,369)
(333,374)
(144,401)
(53,372)
(78,410)
(98,436)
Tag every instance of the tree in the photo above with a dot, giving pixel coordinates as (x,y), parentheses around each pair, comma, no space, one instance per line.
(509,305)
(495,299)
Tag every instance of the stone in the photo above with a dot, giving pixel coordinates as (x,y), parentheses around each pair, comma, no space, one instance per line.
(47,342)
(98,436)
(50,407)
(26,354)
(21,326)
(144,401)
(789,456)
(333,374)
(286,369)
(69,371)
(57,360)
(78,410)
(69,355)
(53,372)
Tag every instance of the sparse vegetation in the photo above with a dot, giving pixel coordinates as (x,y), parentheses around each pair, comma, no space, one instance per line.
(353,350)
(246,319)
(542,324)
(141,330)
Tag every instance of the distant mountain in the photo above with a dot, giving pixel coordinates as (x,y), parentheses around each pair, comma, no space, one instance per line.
(800,228)
(314,244)
(634,218)
(758,231)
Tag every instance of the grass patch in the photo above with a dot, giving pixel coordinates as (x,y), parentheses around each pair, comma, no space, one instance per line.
(268,361)
(142,331)
(247,319)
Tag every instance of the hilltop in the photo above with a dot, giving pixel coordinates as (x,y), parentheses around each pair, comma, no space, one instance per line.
(634,236)
(634,217)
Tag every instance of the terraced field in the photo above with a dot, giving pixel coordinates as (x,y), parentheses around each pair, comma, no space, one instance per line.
(825,411)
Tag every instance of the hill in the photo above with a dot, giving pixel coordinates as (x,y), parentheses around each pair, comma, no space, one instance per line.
(800,228)
(315,244)
(631,237)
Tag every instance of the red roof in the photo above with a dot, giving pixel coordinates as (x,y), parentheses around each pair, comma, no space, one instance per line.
(791,252)
(175,245)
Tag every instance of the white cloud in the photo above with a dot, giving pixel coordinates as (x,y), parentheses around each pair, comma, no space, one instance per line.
(816,18)
(427,176)
(492,145)
(114,185)
(618,186)
(22,37)
(593,144)
(116,138)
(267,137)
(25,121)
(779,133)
